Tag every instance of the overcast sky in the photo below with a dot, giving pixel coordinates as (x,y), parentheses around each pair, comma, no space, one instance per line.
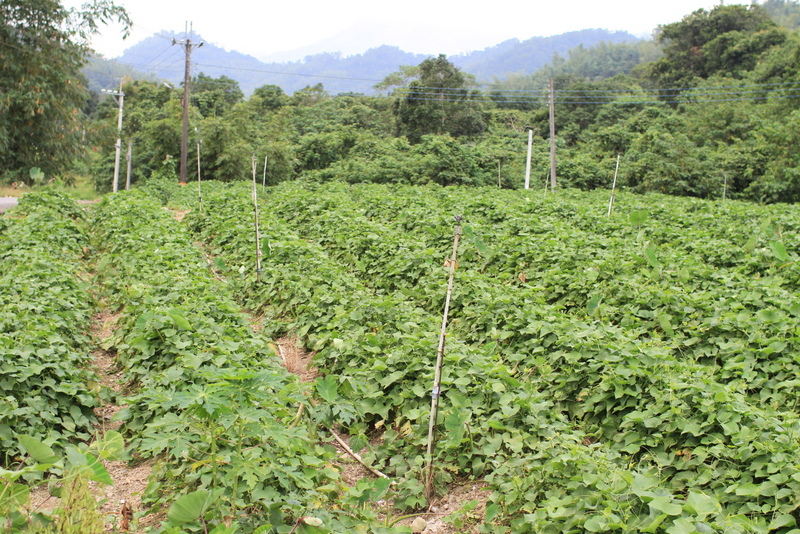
(267,29)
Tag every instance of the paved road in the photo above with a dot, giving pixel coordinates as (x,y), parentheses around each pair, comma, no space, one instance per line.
(7,202)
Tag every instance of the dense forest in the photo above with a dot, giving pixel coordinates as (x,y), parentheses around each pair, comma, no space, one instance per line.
(706,108)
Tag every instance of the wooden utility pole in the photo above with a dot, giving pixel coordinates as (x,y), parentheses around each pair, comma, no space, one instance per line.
(187,46)
(552,136)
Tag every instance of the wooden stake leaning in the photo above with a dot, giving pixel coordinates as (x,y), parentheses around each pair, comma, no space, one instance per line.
(258,234)
(613,189)
(437,378)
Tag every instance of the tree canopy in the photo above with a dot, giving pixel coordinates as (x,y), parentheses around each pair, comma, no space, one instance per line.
(42,48)
(725,40)
(705,109)
(438,101)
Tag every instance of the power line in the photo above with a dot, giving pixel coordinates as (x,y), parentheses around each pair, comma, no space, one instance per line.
(637,96)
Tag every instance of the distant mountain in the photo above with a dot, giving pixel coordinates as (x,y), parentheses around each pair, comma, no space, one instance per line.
(156,57)
(526,57)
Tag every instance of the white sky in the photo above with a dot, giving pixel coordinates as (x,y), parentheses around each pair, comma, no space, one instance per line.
(263,29)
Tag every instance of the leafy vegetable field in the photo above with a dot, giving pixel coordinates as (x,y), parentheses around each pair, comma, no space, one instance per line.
(626,373)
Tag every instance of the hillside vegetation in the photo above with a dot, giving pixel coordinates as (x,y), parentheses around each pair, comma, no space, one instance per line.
(706,111)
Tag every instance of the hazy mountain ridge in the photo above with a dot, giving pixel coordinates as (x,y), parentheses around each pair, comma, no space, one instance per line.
(357,73)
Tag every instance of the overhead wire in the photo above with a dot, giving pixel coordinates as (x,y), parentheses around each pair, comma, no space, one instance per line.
(638,96)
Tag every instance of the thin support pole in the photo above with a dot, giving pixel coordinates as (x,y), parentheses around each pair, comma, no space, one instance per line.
(613,189)
(199,186)
(264,180)
(118,146)
(255,211)
(724,186)
(129,158)
(552,136)
(437,379)
(528,160)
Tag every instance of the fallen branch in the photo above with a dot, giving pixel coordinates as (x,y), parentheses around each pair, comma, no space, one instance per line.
(355,455)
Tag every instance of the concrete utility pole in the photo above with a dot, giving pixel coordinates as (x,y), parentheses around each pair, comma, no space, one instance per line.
(528,161)
(187,46)
(129,158)
(120,100)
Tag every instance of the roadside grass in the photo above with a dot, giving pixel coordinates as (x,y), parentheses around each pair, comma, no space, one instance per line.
(78,187)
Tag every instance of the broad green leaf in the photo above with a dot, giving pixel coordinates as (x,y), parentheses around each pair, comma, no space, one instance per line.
(664,504)
(650,255)
(38,450)
(681,526)
(98,472)
(328,388)
(749,490)
(476,241)
(638,217)
(179,320)
(189,507)
(596,523)
(593,304)
(783,520)
(701,504)
(16,493)
(655,524)
(779,250)
(665,324)
(751,243)
(111,446)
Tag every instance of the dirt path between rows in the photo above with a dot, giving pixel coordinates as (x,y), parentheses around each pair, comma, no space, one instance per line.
(121,502)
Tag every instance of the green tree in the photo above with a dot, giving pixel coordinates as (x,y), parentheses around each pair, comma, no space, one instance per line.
(438,102)
(214,97)
(725,40)
(269,98)
(42,48)
(152,121)
(310,95)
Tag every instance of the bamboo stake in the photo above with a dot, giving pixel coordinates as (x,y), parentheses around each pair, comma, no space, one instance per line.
(724,186)
(258,234)
(437,379)
(199,186)
(613,189)
(264,180)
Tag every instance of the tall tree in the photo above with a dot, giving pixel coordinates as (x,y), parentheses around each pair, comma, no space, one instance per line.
(725,40)
(42,48)
(439,101)
(214,97)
